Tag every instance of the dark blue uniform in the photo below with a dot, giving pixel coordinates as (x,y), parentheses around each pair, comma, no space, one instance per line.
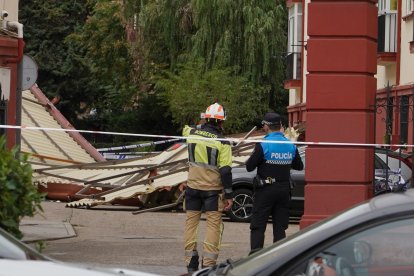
(273,162)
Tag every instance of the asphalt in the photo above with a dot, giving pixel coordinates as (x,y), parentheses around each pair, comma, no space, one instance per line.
(111,236)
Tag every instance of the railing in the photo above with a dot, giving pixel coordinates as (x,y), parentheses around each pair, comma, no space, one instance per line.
(293,66)
(3,112)
(387,32)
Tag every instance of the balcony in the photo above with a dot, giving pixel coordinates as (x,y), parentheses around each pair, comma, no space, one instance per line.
(293,70)
(387,38)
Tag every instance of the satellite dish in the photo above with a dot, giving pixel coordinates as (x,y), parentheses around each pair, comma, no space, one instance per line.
(29,72)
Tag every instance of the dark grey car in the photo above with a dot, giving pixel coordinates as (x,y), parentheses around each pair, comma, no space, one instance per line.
(372,238)
(243,186)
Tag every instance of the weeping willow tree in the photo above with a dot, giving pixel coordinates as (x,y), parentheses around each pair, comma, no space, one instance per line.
(245,33)
(243,38)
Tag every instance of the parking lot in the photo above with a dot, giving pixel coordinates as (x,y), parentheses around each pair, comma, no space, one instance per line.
(150,242)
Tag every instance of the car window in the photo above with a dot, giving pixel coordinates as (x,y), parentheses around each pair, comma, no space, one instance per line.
(386,249)
(11,248)
(379,163)
(9,251)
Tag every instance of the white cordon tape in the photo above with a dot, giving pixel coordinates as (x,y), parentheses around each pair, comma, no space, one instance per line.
(234,140)
(138,145)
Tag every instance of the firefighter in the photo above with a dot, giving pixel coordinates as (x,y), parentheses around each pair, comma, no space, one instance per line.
(209,177)
(272,182)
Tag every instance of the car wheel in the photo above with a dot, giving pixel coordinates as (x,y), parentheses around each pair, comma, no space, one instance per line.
(242,208)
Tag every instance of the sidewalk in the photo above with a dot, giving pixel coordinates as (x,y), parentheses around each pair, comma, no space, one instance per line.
(52,224)
(43,230)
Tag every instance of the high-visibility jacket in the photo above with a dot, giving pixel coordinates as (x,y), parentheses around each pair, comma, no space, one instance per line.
(209,160)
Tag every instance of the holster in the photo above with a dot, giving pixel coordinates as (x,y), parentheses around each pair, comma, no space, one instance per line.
(257,182)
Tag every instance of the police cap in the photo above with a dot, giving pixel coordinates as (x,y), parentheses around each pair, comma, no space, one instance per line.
(271,118)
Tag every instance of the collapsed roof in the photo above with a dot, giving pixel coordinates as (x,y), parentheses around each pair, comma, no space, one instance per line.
(67,159)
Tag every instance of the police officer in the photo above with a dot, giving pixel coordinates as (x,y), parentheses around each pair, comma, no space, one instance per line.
(272,183)
(208,177)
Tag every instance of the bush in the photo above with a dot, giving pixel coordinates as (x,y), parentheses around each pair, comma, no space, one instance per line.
(18,196)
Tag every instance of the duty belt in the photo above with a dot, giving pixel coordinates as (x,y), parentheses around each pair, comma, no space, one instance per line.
(269,180)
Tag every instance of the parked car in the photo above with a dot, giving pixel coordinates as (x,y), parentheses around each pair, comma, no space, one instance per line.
(17,258)
(372,238)
(243,183)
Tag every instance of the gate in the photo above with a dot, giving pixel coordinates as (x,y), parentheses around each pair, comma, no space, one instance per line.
(393,111)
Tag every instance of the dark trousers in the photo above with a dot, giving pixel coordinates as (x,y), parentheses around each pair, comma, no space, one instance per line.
(271,200)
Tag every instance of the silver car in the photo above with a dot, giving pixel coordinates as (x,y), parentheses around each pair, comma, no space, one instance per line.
(373,238)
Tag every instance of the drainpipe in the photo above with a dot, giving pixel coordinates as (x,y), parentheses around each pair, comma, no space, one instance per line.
(17,60)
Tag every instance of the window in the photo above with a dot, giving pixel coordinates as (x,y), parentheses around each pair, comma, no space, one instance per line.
(409,7)
(294,42)
(387,26)
(404,119)
(393,5)
(387,6)
(384,249)
(295,28)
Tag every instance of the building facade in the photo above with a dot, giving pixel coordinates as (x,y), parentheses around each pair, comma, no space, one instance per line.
(394,106)
(11,54)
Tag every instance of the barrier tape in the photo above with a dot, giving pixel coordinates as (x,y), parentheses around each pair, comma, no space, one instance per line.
(137,145)
(234,140)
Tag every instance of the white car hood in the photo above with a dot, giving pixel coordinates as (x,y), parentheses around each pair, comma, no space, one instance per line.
(46,268)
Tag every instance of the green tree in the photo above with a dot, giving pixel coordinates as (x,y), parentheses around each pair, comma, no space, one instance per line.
(61,70)
(18,196)
(242,100)
(244,38)
(103,46)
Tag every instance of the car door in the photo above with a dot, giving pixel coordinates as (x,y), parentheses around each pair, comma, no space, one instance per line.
(381,247)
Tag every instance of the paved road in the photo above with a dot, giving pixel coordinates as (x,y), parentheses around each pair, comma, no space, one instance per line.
(150,242)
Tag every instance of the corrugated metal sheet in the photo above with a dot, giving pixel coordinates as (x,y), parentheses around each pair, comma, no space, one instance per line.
(52,147)
(110,169)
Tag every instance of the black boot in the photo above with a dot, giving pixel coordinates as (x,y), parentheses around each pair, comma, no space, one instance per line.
(193,265)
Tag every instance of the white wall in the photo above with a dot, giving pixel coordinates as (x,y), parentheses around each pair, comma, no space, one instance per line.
(407,59)
(12,7)
(386,74)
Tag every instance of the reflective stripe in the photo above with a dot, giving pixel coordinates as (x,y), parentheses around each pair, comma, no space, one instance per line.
(228,191)
(221,233)
(190,242)
(209,255)
(279,162)
(190,253)
(202,165)
(191,150)
(213,156)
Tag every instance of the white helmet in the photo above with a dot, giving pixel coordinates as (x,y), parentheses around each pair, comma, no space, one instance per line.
(214,111)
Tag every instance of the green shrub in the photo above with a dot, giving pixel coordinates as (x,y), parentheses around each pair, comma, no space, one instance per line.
(18,196)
